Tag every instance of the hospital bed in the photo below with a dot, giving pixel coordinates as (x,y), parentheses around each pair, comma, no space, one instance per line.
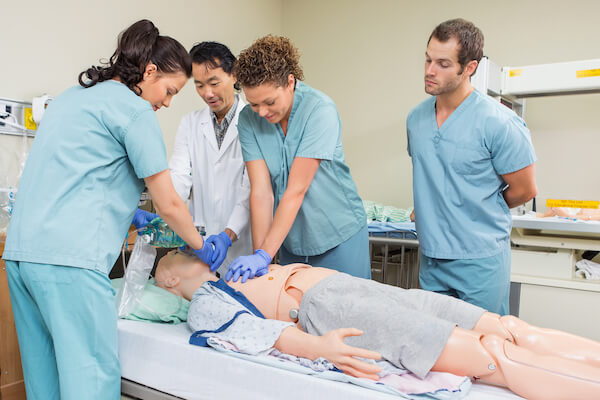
(158,363)
(394,252)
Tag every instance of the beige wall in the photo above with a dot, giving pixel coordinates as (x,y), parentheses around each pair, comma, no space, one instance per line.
(368,56)
(46,44)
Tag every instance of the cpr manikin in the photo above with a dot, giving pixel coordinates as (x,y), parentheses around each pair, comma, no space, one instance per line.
(533,362)
(584,214)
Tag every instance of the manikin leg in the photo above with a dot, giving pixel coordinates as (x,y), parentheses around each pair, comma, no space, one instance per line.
(540,340)
(496,360)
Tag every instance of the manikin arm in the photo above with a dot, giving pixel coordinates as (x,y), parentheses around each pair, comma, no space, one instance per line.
(330,346)
(521,186)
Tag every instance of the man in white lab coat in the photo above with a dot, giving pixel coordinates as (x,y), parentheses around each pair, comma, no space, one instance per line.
(207,166)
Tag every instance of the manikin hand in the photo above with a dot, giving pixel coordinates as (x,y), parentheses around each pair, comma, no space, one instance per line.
(141,218)
(248,267)
(221,243)
(332,347)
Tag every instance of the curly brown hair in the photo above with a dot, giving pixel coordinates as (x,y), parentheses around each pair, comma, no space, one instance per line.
(270,59)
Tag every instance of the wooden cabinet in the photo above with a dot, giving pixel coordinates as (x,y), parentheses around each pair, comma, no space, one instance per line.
(12,386)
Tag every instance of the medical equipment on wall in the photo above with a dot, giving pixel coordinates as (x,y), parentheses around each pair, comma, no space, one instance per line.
(17,118)
(20,117)
(511,84)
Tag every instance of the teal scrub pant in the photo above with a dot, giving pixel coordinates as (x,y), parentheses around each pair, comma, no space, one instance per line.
(67,328)
(351,256)
(484,282)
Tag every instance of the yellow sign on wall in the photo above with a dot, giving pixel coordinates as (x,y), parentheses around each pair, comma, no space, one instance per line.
(587,73)
(572,203)
(515,72)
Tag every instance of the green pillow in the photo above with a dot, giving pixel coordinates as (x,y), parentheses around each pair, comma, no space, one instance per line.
(156,304)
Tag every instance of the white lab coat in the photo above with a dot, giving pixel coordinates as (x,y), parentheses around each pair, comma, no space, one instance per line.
(214,180)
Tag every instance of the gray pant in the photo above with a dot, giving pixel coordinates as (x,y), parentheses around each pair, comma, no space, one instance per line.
(409,328)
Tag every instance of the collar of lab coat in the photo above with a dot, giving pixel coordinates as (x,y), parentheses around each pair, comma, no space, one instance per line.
(208,129)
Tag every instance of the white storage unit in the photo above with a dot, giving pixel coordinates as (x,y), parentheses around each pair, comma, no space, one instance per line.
(543,269)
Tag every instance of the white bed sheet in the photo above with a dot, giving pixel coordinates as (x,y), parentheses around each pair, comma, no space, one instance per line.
(159,356)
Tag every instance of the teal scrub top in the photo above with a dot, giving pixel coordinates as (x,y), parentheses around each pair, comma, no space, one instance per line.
(83,177)
(331,211)
(459,208)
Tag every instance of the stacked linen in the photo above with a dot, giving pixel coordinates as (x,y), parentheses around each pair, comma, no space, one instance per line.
(381,213)
(587,269)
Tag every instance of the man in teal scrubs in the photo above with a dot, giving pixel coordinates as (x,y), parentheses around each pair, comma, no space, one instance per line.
(472,161)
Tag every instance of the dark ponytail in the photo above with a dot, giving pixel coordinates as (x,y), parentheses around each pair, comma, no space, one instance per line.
(139,45)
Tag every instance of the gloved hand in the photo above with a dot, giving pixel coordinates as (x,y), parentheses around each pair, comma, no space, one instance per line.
(206,254)
(249,267)
(141,218)
(221,243)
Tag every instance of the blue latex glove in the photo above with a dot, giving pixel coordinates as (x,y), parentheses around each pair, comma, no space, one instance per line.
(141,218)
(249,267)
(221,243)
(206,254)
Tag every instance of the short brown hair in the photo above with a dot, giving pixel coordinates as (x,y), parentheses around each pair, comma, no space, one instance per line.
(468,36)
(270,59)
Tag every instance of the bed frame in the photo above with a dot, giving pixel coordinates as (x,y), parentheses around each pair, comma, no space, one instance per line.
(395,258)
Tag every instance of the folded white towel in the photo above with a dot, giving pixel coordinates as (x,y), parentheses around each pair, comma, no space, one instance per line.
(587,269)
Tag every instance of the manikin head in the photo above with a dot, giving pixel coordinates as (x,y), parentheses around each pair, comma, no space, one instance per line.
(212,69)
(182,273)
(267,71)
(454,50)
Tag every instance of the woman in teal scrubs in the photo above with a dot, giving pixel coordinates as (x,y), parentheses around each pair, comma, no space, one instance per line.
(291,139)
(97,147)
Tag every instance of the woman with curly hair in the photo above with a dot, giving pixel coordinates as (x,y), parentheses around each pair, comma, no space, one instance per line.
(97,146)
(291,139)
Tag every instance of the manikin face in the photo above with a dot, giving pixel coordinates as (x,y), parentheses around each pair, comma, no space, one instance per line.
(442,70)
(274,103)
(162,276)
(158,88)
(175,270)
(215,86)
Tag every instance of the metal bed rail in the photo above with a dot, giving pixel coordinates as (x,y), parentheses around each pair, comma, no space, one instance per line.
(138,391)
(399,254)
